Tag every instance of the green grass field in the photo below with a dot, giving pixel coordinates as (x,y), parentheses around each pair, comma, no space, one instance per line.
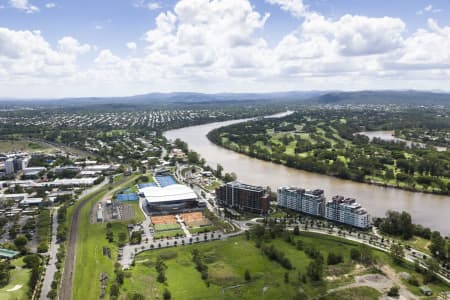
(138,214)
(228,260)
(202,229)
(169,233)
(21,145)
(90,262)
(17,288)
(166,227)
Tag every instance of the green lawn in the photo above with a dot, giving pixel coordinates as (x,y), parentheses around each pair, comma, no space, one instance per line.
(169,233)
(138,214)
(21,145)
(19,277)
(202,229)
(90,262)
(228,260)
(213,186)
(166,227)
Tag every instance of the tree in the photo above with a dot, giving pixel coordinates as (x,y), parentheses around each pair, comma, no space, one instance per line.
(296,230)
(122,238)
(4,273)
(430,271)
(334,258)
(315,269)
(52,294)
(114,290)
(167,295)
(393,291)
(366,254)
(20,242)
(32,261)
(219,170)
(136,237)
(437,246)
(135,296)
(247,275)
(161,277)
(397,253)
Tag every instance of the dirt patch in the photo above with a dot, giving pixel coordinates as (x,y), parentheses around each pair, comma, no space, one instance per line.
(381,283)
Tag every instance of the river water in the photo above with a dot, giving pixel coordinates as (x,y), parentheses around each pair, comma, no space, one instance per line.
(429,210)
(389,136)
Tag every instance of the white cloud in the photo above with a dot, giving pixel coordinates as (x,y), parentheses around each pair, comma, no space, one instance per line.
(26,55)
(131,45)
(216,45)
(429,9)
(147,5)
(106,57)
(295,7)
(72,46)
(98,27)
(50,5)
(153,5)
(24,5)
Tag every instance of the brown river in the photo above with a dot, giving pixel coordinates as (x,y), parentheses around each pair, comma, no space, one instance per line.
(429,210)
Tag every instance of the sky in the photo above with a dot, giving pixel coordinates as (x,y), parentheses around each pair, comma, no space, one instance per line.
(82,48)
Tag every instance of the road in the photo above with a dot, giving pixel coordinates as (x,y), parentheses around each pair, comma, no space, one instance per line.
(69,263)
(410,255)
(130,251)
(53,250)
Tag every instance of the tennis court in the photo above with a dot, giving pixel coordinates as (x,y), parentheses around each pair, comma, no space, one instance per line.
(167,219)
(166,227)
(127,197)
(145,185)
(195,219)
(165,180)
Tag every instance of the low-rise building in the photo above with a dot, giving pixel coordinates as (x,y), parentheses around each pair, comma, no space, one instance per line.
(31,202)
(301,200)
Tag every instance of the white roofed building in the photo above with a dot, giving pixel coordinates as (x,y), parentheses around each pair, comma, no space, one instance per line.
(169,199)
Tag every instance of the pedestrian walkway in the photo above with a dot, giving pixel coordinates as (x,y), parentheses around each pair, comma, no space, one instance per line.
(183,226)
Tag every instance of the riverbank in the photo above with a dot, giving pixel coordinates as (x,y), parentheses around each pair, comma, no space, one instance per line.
(427,209)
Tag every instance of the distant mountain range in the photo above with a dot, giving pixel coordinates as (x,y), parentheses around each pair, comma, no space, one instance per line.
(384,97)
(308,97)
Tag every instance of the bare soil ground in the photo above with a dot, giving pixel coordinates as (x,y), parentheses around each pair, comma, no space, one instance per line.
(381,283)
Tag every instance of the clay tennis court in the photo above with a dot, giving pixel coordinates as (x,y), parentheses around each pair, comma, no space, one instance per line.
(195,219)
(168,219)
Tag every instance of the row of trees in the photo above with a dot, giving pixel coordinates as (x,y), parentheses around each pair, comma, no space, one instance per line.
(400,224)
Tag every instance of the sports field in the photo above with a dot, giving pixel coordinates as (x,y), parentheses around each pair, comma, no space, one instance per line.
(167,219)
(227,262)
(17,288)
(166,227)
(195,219)
(90,261)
